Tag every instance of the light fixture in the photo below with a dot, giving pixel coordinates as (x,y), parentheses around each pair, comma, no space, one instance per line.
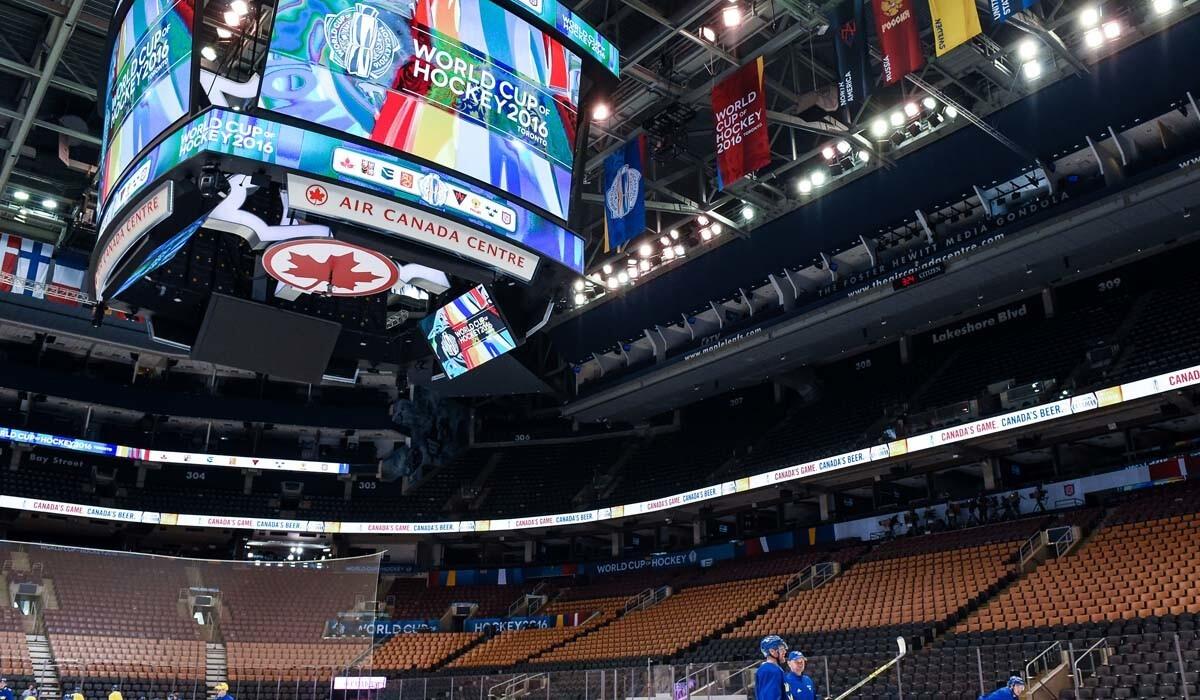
(646,250)
(674,233)
(630,262)
(843,147)
(827,153)
(896,118)
(209,53)
(664,240)
(805,186)
(748,213)
(879,128)
(702,219)
(679,251)
(731,16)
(864,155)
(929,103)
(1089,16)
(707,34)
(21,195)
(1027,49)
(612,283)
(49,204)
(818,178)
(951,112)
(232,18)
(1032,69)
(705,234)
(911,110)
(579,285)
(607,269)
(668,253)
(633,272)
(716,228)
(1112,29)
(623,277)
(644,266)
(1162,7)
(1093,38)
(223,33)
(601,111)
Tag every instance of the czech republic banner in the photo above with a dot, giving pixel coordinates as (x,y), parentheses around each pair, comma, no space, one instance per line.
(624,194)
(899,38)
(739,107)
(850,39)
(954,22)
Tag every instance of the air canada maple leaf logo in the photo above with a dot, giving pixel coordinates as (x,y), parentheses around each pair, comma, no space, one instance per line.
(337,271)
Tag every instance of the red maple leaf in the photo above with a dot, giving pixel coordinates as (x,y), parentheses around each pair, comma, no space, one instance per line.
(337,271)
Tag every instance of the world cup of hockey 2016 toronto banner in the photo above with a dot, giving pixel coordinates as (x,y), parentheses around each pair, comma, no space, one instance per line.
(739,106)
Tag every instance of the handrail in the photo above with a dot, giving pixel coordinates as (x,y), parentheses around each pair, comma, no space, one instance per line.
(812,577)
(1064,541)
(1033,663)
(1098,645)
(1028,549)
(740,671)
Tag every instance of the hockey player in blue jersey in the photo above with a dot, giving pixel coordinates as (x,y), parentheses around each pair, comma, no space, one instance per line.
(796,685)
(768,679)
(1014,689)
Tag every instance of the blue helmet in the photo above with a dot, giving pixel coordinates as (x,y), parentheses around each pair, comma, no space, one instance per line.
(796,655)
(770,642)
(1016,680)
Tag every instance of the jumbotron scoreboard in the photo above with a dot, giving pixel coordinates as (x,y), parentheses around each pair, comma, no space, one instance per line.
(375,148)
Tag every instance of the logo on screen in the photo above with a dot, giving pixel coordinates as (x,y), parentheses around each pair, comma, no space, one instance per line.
(449,344)
(360,43)
(330,267)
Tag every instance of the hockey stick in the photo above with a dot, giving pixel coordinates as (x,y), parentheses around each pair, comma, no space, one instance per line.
(903,646)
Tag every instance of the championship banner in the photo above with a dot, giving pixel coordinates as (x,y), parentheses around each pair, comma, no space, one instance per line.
(739,106)
(899,39)
(624,194)
(850,38)
(1003,9)
(954,22)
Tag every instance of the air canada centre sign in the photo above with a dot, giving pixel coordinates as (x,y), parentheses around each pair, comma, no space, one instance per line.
(402,221)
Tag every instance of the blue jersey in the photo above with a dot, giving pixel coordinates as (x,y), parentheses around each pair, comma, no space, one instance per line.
(768,681)
(798,687)
(999,694)
(7,694)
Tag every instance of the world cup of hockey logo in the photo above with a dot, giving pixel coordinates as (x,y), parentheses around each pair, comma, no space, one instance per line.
(433,190)
(449,344)
(360,43)
(622,194)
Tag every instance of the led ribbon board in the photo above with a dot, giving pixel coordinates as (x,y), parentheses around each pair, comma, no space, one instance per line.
(468,85)
(149,82)
(266,141)
(580,34)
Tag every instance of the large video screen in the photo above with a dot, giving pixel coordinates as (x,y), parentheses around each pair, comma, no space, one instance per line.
(467,332)
(467,85)
(149,82)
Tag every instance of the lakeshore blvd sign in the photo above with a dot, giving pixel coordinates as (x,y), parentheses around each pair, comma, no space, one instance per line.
(396,219)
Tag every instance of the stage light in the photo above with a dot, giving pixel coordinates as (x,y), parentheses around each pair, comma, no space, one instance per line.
(1027,50)
(579,284)
(702,219)
(601,112)
(49,204)
(623,277)
(612,283)
(1089,16)
(646,250)
(21,195)
(607,269)
(580,299)
(911,110)
(232,18)
(843,147)
(748,213)
(1032,69)
(707,34)
(1093,38)
(896,118)
(818,178)
(633,272)
(223,33)
(674,233)
(716,228)
(1162,7)
(1112,29)
(664,240)
(864,155)
(209,53)
(705,234)
(644,266)
(731,16)
(679,250)
(951,112)
(879,128)
(827,153)
(805,186)
(668,253)
(630,262)
(929,103)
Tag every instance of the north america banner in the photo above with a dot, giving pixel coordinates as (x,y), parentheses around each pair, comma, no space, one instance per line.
(850,39)
(899,39)
(739,107)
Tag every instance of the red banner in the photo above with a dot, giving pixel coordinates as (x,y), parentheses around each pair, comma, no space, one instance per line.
(898,38)
(740,109)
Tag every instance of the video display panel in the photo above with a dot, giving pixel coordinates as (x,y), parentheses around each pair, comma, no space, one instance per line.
(149,82)
(467,332)
(467,85)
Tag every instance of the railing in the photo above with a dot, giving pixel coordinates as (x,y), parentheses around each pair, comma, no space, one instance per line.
(1063,540)
(716,678)
(646,598)
(1049,658)
(815,576)
(1094,657)
(1029,549)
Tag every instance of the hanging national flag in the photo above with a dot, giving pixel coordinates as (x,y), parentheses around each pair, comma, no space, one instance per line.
(954,22)
(10,252)
(33,268)
(899,39)
(1003,9)
(739,108)
(65,283)
(624,194)
(850,38)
